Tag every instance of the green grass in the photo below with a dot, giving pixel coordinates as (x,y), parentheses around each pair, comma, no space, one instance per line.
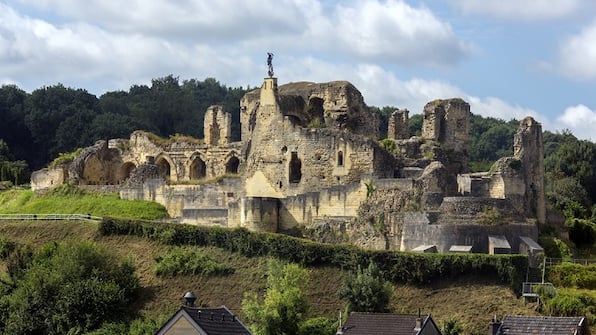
(68,200)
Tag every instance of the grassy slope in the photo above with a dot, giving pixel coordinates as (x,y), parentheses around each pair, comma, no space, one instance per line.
(472,300)
(65,200)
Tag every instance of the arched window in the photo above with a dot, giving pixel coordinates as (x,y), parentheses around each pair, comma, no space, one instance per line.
(232,165)
(340,158)
(164,168)
(198,169)
(295,168)
(126,170)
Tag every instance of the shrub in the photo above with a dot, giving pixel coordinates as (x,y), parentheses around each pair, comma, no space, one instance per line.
(573,275)
(6,247)
(554,247)
(396,266)
(188,262)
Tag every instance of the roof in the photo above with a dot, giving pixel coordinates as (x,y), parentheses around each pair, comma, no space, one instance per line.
(210,321)
(544,325)
(359,323)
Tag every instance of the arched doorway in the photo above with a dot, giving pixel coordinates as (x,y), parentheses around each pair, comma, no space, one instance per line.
(126,170)
(198,169)
(164,168)
(232,165)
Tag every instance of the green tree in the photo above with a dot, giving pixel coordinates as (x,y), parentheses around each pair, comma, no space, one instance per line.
(283,306)
(68,288)
(366,290)
(451,327)
(13,171)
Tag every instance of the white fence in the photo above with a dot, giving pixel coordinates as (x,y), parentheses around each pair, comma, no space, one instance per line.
(50,217)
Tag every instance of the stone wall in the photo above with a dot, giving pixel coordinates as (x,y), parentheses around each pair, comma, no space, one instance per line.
(528,147)
(217,126)
(48,177)
(178,197)
(398,128)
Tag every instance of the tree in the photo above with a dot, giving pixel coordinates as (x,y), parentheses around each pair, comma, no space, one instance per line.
(284,304)
(12,171)
(67,288)
(451,327)
(366,291)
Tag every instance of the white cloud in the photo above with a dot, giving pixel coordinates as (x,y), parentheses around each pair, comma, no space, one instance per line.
(521,10)
(396,32)
(581,120)
(577,55)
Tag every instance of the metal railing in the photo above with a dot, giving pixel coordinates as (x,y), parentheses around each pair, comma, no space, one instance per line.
(50,217)
(554,261)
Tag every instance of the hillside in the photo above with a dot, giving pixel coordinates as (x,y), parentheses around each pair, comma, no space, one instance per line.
(472,299)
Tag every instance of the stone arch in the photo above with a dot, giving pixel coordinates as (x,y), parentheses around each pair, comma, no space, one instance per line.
(232,165)
(295,168)
(315,108)
(126,170)
(165,167)
(93,171)
(198,168)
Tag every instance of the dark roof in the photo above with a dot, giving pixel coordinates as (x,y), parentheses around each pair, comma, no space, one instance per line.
(213,321)
(544,325)
(359,323)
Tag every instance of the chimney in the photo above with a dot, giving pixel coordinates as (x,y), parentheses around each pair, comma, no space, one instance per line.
(189,299)
(493,326)
(418,326)
(340,330)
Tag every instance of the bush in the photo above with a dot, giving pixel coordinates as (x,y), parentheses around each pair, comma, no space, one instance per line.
(318,326)
(68,289)
(6,247)
(573,275)
(572,304)
(396,266)
(554,247)
(188,262)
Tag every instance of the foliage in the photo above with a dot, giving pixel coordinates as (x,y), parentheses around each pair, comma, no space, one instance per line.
(451,326)
(366,290)
(554,247)
(569,303)
(370,188)
(188,262)
(68,288)
(573,275)
(65,158)
(316,123)
(13,171)
(318,326)
(396,266)
(389,145)
(6,247)
(283,305)
(67,199)
(575,158)
(582,232)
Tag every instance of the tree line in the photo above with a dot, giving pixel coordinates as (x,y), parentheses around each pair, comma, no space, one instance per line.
(37,126)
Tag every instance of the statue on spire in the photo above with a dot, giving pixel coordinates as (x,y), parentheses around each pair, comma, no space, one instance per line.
(270,64)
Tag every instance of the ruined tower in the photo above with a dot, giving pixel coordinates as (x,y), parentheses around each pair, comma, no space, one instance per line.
(218,126)
(398,125)
(528,147)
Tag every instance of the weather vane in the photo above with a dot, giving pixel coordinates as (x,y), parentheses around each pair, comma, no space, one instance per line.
(270,64)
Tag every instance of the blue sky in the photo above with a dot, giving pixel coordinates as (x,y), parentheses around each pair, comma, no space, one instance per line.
(507,58)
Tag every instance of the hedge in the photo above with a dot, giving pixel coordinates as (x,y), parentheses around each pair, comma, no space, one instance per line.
(398,267)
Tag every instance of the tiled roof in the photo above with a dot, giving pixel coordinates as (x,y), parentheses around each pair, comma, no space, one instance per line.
(217,321)
(543,325)
(381,324)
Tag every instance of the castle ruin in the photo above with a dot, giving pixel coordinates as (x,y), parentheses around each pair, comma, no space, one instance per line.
(309,163)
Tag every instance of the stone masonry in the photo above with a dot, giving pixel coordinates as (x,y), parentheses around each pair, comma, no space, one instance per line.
(398,125)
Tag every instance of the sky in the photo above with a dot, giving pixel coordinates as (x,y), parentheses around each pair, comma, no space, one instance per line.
(507,58)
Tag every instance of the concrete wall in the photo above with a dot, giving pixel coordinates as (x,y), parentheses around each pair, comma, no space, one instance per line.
(446,235)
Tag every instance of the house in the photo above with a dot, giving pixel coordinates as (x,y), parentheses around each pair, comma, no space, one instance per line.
(191,320)
(359,323)
(545,325)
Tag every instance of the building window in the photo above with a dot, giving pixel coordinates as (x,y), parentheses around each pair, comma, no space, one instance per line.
(340,158)
(295,168)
